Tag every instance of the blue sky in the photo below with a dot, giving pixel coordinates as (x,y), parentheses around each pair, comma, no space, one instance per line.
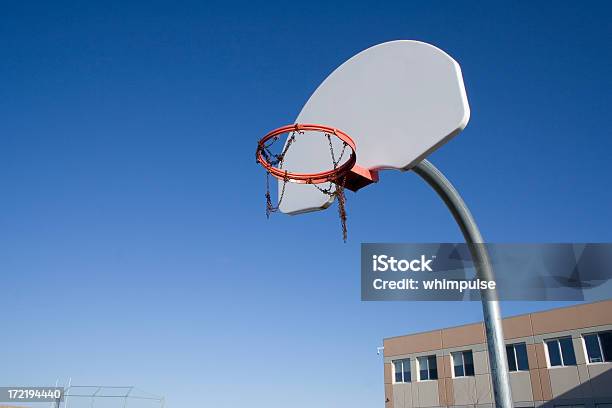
(134,248)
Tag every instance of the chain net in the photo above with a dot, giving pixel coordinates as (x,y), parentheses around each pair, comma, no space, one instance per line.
(334,188)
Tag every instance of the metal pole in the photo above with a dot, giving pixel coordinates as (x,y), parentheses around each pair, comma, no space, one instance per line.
(480,257)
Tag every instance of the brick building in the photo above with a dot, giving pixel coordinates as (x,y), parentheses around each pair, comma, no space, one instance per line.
(561,357)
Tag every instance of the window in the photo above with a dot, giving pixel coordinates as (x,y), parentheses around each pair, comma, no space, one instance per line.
(517,357)
(463,363)
(561,352)
(402,370)
(428,368)
(598,347)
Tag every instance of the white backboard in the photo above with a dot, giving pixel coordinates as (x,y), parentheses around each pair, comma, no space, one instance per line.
(399,101)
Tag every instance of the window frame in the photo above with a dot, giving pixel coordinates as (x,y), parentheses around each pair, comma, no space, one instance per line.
(427,359)
(560,349)
(462,354)
(601,350)
(516,359)
(402,361)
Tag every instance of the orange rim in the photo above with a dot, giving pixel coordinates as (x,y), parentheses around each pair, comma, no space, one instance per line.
(308,178)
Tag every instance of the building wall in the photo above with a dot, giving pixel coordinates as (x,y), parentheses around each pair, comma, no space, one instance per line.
(588,385)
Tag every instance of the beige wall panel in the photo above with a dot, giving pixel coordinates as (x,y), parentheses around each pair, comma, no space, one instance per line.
(532,359)
(483,389)
(601,379)
(481,362)
(398,396)
(541,355)
(519,326)
(577,317)
(545,384)
(415,396)
(402,395)
(465,391)
(596,314)
(460,391)
(415,343)
(585,384)
(411,393)
(414,372)
(428,393)
(556,320)
(443,373)
(389,396)
(520,382)
(579,350)
(388,373)
(450,391)
(444,367)
(463,335)
(536,386)
(565,381)
(588,315)
(442,392)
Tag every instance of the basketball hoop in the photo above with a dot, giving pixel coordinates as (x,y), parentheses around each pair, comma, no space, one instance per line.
(340,175)
(264,156)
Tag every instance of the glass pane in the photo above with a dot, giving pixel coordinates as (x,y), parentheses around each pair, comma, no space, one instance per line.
(553,353)
(423,371)
(469,363)
(521,356)
(592,346)
(407,377)
(606,345)
(398,371)
(567,349)
(511,358)
(433,368)
(458,364)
